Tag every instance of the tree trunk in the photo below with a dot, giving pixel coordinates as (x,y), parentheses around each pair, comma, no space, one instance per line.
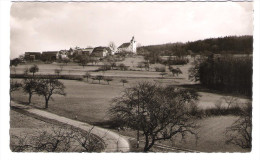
(30,98)
(46,103)
(146,143)
(148,146)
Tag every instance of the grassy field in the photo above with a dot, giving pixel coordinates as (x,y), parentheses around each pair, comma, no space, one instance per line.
(211,133)
(22,125)
(211,137)
(90,101)
(132,62)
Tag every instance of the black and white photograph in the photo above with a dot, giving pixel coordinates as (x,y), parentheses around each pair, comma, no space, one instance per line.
(131,77)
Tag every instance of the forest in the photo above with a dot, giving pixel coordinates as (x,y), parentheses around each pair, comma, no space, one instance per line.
(221,45)
(226,73)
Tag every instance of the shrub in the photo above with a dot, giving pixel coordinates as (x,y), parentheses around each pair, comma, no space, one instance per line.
(175,61)
(108,79)
(160,69)
(123,81)
(105,67)
(122,67)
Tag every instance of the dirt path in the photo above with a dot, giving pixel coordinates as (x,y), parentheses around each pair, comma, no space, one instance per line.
(113,141)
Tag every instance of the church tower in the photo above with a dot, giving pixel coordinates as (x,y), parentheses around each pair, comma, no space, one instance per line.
(133,44)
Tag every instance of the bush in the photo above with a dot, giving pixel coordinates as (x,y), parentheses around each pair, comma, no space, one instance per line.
(123,67)
(105,67)
(176,61)
(160,69)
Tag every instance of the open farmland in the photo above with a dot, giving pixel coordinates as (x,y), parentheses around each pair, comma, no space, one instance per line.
(89,101)
(69,69)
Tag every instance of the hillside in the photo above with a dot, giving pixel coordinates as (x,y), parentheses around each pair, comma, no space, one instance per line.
(221,45)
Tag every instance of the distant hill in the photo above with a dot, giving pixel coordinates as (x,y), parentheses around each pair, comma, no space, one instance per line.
(221,45)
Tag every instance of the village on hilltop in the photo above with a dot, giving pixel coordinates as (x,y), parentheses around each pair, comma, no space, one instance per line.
(97,52)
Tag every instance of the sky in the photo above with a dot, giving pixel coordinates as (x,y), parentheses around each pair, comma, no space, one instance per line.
(52,26)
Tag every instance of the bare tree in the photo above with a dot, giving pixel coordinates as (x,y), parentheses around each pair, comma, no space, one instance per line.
(26,71)
(132,63)
(108,79)
(87,75)
(29,86)
(33,69)
(159,112)
(176,71)
(113,65)
(66,61)
(123,81)
(99,78)
(230,100)
(163,74)
(48,87)
(240,132)
(82,60)
(58,139)
(14,86)
(57,71)
(20,143)
(87,141)
(140,65)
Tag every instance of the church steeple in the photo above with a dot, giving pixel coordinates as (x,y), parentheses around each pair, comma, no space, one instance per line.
(133,39)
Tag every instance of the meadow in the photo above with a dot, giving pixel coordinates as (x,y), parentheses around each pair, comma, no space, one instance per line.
(89,101)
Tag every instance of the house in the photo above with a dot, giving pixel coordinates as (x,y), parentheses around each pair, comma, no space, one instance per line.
(50,55)
(100,51)
(87,51)
(32,56)
(63,54)
(128,47)
(82,51)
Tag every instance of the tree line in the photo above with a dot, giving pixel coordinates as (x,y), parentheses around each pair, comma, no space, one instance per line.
(222,45)
(226,73)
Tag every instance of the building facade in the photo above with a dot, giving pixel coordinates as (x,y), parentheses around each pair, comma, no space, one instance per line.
(128,47)
(50,56)
(32,56)
(100,52)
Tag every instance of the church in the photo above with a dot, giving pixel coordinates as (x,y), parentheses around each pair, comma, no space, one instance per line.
(128,47)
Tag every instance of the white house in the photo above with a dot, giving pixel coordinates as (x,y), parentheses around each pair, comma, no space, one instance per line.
(128,47)
(100,51)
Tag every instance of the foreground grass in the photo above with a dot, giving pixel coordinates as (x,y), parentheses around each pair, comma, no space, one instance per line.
(211,137)
(28,130)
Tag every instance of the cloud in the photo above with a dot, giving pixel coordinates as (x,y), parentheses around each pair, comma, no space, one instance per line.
(38,26)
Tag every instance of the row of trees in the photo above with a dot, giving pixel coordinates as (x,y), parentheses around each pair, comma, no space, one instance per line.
(100,77)
(222,45)
(228,73)
(45,87)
